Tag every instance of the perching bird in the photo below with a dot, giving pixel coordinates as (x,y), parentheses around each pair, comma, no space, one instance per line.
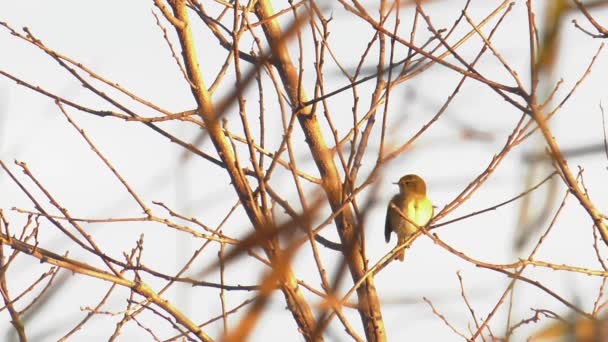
(414,204)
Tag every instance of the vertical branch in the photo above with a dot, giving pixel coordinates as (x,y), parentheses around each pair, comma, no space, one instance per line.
(223,290)
(8,302)
(560,161)
(369,306)
(207,111)
(295,301)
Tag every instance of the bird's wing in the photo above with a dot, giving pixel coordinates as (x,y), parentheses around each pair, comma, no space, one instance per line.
(387,223)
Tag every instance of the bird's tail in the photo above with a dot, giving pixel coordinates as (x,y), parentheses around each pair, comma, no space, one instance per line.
(401,255)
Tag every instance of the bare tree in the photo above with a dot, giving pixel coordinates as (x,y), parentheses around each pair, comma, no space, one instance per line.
(298,117)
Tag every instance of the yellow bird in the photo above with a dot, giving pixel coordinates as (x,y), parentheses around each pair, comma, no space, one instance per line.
(414,204)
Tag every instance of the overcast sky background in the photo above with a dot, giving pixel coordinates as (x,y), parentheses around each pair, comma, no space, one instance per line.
(121,41)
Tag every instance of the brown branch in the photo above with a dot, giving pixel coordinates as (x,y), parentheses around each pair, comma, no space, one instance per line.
(8,302)
(295,300)
(567,175)
(369,308)
(82,268)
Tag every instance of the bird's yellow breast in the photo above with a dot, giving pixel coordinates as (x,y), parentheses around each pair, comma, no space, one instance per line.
(417,208)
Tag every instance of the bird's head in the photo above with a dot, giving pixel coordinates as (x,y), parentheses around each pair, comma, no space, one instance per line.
(412,184)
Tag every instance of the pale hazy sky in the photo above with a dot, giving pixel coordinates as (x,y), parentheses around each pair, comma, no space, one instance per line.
(120,40)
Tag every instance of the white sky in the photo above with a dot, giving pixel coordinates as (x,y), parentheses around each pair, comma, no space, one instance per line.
(120,41)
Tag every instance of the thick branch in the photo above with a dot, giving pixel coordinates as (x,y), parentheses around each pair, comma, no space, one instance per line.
(568,176)
(297,304)
(369,306)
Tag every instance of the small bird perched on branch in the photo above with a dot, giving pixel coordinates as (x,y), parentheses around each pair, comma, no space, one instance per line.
(414,204)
